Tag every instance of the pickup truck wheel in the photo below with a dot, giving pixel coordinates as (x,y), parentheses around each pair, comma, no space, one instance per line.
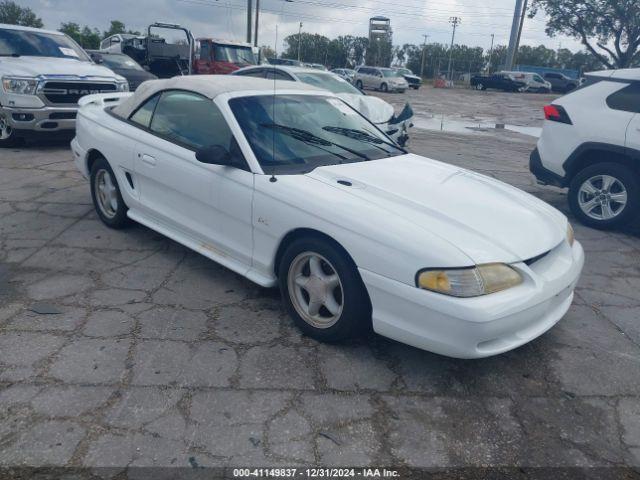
(106,196)
(605,195)
(322,290)
(479,86)
(8,137)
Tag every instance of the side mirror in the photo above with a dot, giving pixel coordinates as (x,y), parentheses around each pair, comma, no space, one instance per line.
(215,155)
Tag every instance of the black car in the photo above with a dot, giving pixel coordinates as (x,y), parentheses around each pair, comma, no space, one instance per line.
(122,65)
(499,81)
(560,83)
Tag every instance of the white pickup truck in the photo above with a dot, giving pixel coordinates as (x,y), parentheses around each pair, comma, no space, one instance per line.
(44,73)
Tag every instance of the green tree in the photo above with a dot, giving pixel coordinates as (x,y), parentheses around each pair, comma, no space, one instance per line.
(609,29)
(267,52)
(14,14)
(540,56)
(379,53)
(117,26)
(85,37)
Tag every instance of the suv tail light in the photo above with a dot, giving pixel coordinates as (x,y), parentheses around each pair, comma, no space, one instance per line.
(556,113)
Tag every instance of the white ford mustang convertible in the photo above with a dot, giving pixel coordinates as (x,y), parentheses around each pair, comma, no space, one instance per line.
(290,186)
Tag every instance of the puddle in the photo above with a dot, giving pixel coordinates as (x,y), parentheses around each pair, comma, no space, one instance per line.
(448,124)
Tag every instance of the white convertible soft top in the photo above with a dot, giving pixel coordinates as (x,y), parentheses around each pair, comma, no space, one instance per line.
(209,86)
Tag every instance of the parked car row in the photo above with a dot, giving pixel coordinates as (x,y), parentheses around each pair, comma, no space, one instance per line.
(517,81)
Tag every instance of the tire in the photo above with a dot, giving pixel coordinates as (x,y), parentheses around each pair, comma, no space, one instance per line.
(8,136)
(480,86)
(384,87)
(359,84)
(109,204)
(347,296)
(608,183)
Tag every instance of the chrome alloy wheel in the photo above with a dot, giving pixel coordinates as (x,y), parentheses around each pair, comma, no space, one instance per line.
(106,193)
(315,290)
(602,197)
(5,128)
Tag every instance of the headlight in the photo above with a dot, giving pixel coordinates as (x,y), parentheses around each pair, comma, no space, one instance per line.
(122,86)
(570,235)
(469,282)
(22,86)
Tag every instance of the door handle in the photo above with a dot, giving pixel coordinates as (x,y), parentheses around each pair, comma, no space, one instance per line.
(148,159)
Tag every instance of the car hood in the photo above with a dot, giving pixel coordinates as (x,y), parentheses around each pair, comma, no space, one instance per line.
(486,219)
(37,66)
(373,108)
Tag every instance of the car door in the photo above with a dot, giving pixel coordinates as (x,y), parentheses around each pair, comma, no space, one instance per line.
(208,204)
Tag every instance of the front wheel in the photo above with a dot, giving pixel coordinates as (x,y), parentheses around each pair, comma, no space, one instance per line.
(605,195)
(107,199)
(8,136)
(479,86)
(322,290)
(384,87)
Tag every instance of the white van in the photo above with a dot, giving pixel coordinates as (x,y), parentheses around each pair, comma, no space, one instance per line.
(535,83)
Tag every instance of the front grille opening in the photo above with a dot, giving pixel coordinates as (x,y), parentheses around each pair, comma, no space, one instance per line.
(49,125)
(62,116)
(533,260)
(71,92)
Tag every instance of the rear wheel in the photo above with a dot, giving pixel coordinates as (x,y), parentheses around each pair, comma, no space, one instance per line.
(384,87)
(359,84)
(322,290)
(605,195)
(106,196)
(479,86)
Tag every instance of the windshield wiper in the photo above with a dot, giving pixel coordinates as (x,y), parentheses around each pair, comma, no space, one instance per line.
(311,139)
(363,136)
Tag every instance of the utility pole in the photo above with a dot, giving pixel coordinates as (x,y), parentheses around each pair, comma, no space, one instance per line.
(513,39)
(515,51)
(255,36)
(249,26)
(424,50)
(454,21)
(299,39)
(491,53)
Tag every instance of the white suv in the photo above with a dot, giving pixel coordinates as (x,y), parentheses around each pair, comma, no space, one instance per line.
(590,143)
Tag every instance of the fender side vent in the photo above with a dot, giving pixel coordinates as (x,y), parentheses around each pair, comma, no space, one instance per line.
(345,183)
(129,179)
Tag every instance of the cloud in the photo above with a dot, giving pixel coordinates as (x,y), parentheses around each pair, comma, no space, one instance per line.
(410,19)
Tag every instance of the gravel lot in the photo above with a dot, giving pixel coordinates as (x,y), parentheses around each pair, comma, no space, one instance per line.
(162,358)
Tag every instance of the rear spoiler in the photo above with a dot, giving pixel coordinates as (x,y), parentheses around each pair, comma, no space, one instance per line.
(103,99)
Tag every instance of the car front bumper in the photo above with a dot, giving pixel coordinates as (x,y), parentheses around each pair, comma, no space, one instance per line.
(480,326)
(45,119)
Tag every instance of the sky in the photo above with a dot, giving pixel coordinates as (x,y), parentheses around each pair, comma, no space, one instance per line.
(227,19)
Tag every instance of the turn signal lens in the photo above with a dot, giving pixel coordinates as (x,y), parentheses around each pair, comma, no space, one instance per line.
(570,235)
(469,282)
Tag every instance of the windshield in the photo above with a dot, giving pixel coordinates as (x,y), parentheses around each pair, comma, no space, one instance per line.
(297,133)
(234,54)
(120,61)
(38,44)
(330,82)
(405,71)
(390,73)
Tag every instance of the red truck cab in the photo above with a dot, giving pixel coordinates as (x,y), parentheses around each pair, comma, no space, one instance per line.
(222,56)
